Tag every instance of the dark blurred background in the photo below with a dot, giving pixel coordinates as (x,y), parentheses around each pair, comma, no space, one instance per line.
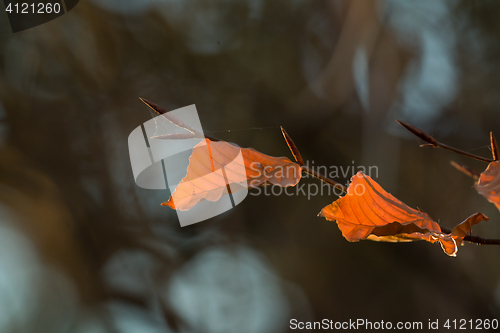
(83,249)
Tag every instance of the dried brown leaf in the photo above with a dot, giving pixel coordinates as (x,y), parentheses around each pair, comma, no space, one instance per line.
(369,212)
(202,182)
(488,184)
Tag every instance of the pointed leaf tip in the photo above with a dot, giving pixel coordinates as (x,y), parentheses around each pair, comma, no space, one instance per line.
(293,148)
(466,170)
(153,106)
(494,147)
(169,203)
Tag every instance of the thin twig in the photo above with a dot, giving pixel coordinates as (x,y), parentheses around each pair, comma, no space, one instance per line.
(466,170)
(481,241)
(324,179)
(293,147)
(300,161)
(436,144)
(174,120)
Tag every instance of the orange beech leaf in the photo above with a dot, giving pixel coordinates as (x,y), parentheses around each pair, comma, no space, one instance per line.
(367,211)
(488,184)
(251,168)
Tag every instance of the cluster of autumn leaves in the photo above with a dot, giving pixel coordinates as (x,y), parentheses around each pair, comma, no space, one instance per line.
(366,211)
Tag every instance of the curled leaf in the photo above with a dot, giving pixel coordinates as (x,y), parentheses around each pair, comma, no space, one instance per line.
(367,211)
(213,166)
(488,184)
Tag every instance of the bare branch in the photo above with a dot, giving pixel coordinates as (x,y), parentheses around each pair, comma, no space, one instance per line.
(436,144)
